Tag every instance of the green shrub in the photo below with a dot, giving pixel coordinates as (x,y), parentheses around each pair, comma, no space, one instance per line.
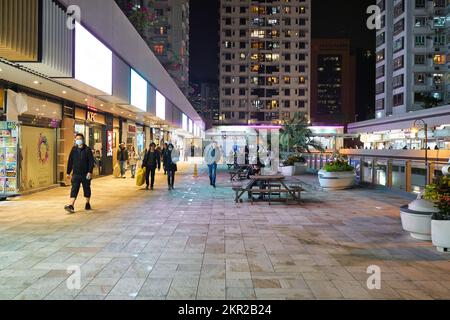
(439,193)
(338,165)
(293,159)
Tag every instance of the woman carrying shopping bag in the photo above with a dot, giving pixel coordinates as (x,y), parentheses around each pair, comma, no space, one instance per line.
(133,159)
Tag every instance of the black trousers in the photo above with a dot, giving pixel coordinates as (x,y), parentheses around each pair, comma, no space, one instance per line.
(150,173)
(171,177)
(77,181)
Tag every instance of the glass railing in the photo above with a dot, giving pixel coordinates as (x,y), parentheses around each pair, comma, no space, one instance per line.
(405,171)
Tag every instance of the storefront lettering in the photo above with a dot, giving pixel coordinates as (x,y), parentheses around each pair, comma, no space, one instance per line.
(91,116)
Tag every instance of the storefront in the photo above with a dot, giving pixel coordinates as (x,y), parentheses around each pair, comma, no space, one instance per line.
(38,143)
(92,125)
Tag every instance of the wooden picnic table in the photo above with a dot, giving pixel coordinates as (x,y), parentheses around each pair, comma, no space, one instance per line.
(268,185)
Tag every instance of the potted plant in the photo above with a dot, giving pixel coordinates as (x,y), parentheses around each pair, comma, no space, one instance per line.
(288,167)
(337,174)
(416,217)
(296,137)
(294,165)
(440,224)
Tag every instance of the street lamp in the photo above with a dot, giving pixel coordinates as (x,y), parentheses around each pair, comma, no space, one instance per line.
(415,130)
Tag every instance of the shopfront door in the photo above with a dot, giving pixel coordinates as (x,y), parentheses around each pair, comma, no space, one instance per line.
(38,158)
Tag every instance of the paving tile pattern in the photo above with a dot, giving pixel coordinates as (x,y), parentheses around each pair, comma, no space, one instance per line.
(196,243)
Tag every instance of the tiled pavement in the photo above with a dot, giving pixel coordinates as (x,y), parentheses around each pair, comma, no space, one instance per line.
(195,243)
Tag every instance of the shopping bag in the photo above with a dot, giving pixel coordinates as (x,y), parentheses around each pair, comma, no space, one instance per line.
(140,177)
(116,171)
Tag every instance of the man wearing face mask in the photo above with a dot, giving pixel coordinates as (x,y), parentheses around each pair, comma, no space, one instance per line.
(80,165)
(170,159)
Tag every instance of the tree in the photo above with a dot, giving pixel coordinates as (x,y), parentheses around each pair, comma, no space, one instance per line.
(297,137)
(142,17)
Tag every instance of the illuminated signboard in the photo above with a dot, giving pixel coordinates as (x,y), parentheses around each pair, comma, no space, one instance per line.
(195,130)
(109,143)
(93,61)
(185,122)
(160,106)
(138,91)
(191,126)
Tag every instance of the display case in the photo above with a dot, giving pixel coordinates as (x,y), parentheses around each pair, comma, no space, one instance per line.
(9,175)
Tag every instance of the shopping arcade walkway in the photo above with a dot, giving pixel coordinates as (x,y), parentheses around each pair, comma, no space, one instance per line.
(196,243)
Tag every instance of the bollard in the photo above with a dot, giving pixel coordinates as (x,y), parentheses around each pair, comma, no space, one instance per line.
(195,171)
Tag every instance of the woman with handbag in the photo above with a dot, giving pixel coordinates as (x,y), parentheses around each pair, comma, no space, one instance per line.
(170,159)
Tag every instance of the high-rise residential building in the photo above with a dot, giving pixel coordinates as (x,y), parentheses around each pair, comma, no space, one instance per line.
(205,99)
(412,70)
(412,77)
(333,80)
(264,60)
(164,24)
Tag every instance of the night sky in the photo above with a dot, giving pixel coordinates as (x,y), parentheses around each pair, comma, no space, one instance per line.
(331,18)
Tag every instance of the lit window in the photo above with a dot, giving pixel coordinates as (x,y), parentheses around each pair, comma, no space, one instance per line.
(439,59)
(158,49)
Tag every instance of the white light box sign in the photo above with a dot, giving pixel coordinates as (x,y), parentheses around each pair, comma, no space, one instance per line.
(139,92)
(93,61)
(160,106)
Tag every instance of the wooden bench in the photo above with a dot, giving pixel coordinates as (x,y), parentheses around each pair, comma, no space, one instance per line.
(278,192)
(240,191)
(241,173)
(270,190)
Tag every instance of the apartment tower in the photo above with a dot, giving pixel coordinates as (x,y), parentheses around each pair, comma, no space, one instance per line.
(264,60)
(166,31)
(412,56)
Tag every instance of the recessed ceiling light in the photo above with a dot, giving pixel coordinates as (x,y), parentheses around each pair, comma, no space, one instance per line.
(64,92)
(1,69)
(101,105)
(36,82)
(86,99)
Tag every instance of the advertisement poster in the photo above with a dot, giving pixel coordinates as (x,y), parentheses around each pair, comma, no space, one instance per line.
(8,158)
(109,143)
(38,157)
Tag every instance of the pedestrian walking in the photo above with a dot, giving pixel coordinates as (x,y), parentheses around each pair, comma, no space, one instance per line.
(151,162)
(133,159)
(163,152)
(122,157)
(80,165)
(170,159)
(212,154)
(99,162)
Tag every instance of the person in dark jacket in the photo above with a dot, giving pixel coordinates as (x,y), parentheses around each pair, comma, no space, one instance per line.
(81,165)
(163,151)
(171,158)
(152,161)
(122,157)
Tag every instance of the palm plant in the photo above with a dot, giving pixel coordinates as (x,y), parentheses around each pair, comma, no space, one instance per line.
(296,136)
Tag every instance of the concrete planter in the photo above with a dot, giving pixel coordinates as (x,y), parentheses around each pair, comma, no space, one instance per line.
(416,218)
(300,168)
(288,171)
(440,231)
(336,180)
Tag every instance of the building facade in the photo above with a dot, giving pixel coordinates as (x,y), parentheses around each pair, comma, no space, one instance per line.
(412,77)
(264,60)
(332,82)
(94,76)
(205,99)
(166,30)
(412,70)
